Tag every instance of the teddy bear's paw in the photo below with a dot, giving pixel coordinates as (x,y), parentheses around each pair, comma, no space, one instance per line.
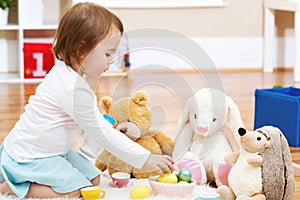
(144,173)
(100,165)
(225,193)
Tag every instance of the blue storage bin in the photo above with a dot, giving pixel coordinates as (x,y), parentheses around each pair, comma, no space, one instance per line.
(279,107)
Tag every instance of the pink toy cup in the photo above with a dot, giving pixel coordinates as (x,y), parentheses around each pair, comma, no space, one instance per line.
(120,179)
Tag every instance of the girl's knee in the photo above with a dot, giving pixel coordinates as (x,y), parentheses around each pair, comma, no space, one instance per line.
(5,189)
(96,181)
(74,194)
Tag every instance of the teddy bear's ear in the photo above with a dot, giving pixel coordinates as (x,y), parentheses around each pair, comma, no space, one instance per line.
(140,97)
(105,104)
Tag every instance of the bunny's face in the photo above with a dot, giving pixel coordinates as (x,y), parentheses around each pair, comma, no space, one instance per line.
(207,113)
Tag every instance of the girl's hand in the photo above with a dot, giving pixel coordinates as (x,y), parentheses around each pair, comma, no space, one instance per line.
(157,162)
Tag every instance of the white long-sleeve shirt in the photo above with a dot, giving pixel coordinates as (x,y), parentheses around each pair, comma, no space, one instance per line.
(63,107)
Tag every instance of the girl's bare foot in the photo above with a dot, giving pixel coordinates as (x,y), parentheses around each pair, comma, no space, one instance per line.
(5,189)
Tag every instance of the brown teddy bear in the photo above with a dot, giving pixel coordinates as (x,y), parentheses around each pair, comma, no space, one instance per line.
(269,166)
(134,119)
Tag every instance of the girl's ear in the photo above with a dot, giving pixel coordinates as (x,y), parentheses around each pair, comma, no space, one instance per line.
(80,51)
(105,105)
(77,57)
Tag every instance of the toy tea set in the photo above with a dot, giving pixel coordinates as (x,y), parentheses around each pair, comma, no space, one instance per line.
(171,185)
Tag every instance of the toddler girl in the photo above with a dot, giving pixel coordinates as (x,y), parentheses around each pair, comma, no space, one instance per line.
(36,157)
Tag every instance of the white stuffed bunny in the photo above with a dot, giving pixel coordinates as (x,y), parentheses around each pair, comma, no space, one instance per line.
(208,130)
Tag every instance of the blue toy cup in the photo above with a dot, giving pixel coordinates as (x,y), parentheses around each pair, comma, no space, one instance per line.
(209,195)
(208,198)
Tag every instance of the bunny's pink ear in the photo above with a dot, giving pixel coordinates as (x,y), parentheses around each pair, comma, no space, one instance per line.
(185,134)
(232,123)
(234,116)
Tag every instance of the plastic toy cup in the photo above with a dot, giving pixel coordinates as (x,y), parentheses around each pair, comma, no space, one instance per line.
(209,195)
(208,198)
(92,193)
(120,179)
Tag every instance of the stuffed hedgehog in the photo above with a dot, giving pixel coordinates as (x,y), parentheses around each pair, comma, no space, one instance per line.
(277,174)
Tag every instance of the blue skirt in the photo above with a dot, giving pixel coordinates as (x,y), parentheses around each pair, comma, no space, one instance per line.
(63,174)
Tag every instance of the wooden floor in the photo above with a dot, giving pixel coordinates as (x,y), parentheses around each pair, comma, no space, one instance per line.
(168,93)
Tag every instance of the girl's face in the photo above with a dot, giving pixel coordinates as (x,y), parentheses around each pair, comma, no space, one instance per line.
(98,60)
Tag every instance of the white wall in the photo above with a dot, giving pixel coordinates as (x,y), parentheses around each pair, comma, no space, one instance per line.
(225,52)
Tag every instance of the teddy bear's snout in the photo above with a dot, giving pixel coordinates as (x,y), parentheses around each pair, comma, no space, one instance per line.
(123,130)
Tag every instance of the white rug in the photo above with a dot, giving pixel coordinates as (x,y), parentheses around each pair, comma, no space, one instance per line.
(9,197)
(113,193)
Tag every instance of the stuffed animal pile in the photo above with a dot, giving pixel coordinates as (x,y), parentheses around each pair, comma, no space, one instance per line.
(133,117)
(207,132)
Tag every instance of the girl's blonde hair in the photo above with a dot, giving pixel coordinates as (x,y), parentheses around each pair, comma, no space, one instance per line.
(80,29)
